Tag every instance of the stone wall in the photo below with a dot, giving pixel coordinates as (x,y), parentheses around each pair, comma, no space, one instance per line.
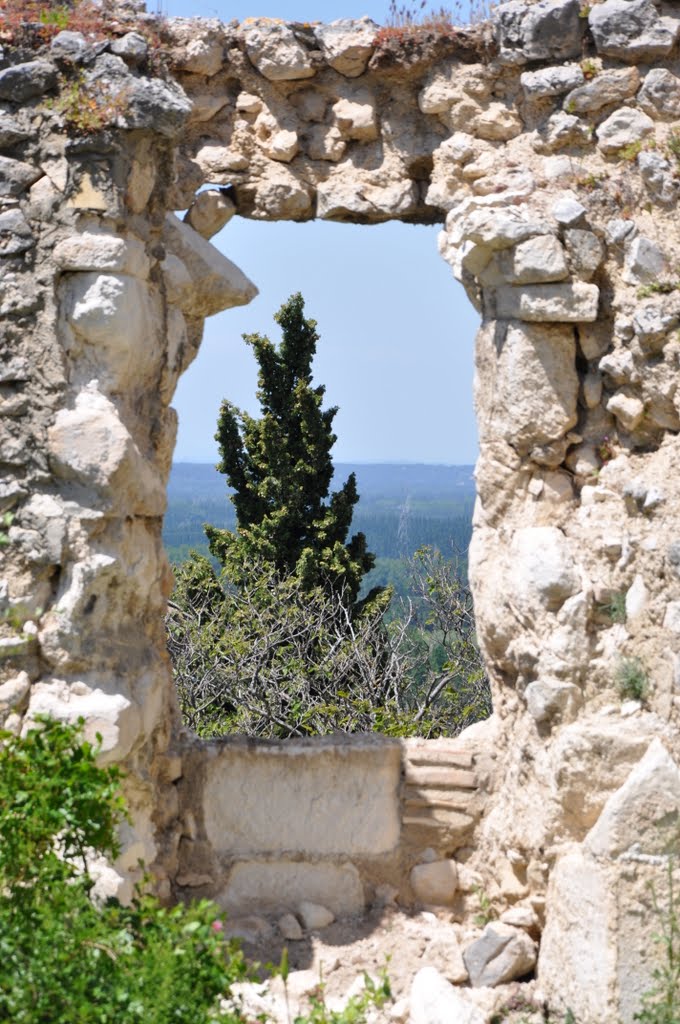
(546,145)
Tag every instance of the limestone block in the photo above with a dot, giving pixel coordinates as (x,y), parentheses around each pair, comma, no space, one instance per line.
(356,118)
(538,259)
(25,81)
(347,44)
(501,954)
(567,210)
(434,1000)
(132,47)
(586,252)
(548,30)
(491,227)
(275,52)
(645,262)
(289,927)
(215,282)
(339,199)
(551,81)
(154,104)
(314,915)
(69,47)
(497,122)
(210,211)
(628,410)
(653,321)
(644,812)
(605,88)
(660,95)
(16,176)
(546,571)
(623,128)
(316,799)
(632,30)
(275,886)
(15,234)
(90,444)
(14,691)
(657,174)
(201,56)
(323,143)
(546,303)
(435,883)
(619,366)
(637,598)
(527,391)
(11,131)
(562,130)
(112,715)
(577,958)
(99,251)
(112,319)
(282,145)
(548,699)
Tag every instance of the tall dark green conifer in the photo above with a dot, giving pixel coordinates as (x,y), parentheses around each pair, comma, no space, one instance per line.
(280,468)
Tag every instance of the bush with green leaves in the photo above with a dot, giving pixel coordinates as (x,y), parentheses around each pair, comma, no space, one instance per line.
(64,960)
(273,659)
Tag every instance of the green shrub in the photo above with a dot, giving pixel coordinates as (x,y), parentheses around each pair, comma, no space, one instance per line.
(631,678)
(62,959)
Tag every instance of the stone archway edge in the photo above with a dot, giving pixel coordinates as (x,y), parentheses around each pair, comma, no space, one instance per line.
(546,147)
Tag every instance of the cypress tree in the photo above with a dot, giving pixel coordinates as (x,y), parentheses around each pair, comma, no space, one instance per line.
(280,468)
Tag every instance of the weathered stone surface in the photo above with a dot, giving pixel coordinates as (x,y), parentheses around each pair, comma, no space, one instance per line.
(632,30)
(549,303)
(623,128)
(15,233)
(210,211)
(547,573)
(99,252)
(26,81)
(645,262)
(586,252)
(277,885)
(549,30)
(347,44)
(552,81)
(16,176)
(549,699)
(132,47)
(275,52)
(606,88)
(536,260)
(501,954)
(434,1000)
(69,47)
(660,94)
(657,174)
(644,812)
(314,915)
(627,409)
(290,929)
(214,282)
(435,883)
(261,807)
(201,56)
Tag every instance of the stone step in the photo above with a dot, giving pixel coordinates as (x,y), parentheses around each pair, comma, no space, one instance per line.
(457,756)
(440,777)
(446,798)
(451,822)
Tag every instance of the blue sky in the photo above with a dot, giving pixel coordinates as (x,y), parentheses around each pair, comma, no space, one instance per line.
(396,330)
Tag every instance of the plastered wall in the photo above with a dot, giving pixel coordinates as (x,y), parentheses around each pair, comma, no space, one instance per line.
(545,145)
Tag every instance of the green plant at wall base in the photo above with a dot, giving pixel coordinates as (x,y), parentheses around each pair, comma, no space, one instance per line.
(486,911)
(658,288)
(630,152)
(631,679)
(661,1003)
(589,67)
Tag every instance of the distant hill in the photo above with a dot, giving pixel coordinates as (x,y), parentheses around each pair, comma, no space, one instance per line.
(375,481)
(402,506)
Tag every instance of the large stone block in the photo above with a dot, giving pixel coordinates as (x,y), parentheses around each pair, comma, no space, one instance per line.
(276,886)
(546,303)
(317,798)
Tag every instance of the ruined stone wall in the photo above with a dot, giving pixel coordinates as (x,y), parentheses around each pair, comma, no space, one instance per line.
(546,146)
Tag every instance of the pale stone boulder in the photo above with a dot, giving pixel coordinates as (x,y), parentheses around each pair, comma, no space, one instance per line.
(314,915)
(356,118)
(434,1000)
(14,691)
(201,56)
(625,127)
(549,303)
(210,211)
(660,95)
(435,883)
(15,233)
(604,89)
(289,927)
(537,260)
(91,445)
(282,145)
(549,699)
(644,812)
(347,44)
(102,252)
(546,571)
(339,199)
(548,30)
(628,410)
(273,886)
(501,954)
(324,143)
(551,81)
(275,52)
(214,282)
(632,30)
(586,252)
(645,262)
(531,384)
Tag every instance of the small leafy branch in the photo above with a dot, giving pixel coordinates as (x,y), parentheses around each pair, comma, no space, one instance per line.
(661,1003)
